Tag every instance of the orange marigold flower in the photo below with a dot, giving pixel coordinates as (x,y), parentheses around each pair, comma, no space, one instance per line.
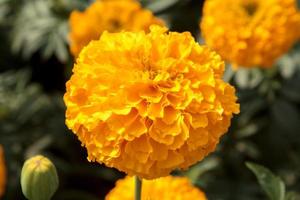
(250,33)
(110,15)
(148,103)
(166,188)
(2,172)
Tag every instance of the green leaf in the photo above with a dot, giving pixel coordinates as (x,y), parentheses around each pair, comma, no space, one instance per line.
(242,78)
(248,130)
(298,3)
(4,10)
(38,28)
(287,66)
(158,5)
(70,5)
(229,73)
(196,171)
(248,78)
(271,184)
(248,148)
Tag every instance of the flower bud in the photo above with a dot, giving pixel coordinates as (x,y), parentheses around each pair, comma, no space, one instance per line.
(39,178)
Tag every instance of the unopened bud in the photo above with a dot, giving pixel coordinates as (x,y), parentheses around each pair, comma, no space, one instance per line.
(39,178)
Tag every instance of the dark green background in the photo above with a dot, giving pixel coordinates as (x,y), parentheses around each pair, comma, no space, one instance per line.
(35,64)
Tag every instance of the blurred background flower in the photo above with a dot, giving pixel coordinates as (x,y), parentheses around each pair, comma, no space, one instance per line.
(107,15)
(2,172)
(251,33)
(167,188)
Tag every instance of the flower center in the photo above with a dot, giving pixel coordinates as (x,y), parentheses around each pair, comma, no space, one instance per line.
(250,8)
(115,24)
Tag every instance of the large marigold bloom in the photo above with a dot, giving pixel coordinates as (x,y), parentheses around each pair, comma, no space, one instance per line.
(110,15)
(166,188)
(2,172)
(148,103)
(250,33)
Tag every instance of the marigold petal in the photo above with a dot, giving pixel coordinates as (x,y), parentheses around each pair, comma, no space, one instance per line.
(167,188)
(148,103)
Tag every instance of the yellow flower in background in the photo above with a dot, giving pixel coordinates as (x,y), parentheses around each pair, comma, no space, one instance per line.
(166,188)
(110,15)
(148,103)
(2,172)
(250,33)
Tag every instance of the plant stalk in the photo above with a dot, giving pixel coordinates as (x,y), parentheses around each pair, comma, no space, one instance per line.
(138,188)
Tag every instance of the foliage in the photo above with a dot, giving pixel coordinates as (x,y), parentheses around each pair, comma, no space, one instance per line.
(271,184)
(46,31)
(35,62)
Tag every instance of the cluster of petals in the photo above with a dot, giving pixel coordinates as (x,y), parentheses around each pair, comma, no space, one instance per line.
(166,188)
(110,15)
(2,172)
(251,33)
(148,103)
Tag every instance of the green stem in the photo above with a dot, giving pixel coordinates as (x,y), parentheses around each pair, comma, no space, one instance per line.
(138,188)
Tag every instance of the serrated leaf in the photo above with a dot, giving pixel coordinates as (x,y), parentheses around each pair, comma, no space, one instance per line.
(271,184)
(37,28)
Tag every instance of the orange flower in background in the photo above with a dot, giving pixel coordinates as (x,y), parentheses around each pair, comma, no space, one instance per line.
(250,33)
(110,15)
(166,188)
(148,103)
(2,172)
